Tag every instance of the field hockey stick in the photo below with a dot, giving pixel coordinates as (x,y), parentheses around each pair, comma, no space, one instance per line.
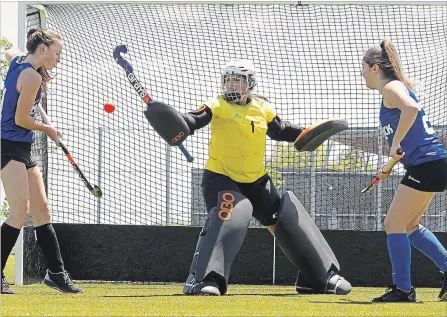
(95,190)
(385,170)
(142,92)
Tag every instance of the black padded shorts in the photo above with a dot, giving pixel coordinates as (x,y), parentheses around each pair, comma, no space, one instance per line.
(17,151)
(262,194)
(427,177)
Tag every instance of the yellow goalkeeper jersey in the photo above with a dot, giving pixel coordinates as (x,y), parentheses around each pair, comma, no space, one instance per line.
(238,138)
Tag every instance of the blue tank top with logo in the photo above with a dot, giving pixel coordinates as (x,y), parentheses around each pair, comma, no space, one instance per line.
(420,144)
(9,129)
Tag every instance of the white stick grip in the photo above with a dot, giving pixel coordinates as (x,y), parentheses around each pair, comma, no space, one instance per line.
(43,115)
(46,120)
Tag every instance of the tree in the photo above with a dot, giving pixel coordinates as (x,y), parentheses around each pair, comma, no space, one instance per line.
(4,64)
(285,156)
(4,212)
(352,159)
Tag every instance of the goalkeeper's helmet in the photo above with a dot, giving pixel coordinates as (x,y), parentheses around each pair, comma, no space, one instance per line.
(242,71)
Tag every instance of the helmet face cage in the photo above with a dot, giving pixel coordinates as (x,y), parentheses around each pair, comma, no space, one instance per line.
(238,69)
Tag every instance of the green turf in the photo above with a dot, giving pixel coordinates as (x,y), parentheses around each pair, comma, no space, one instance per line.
(109,299)
(241,300)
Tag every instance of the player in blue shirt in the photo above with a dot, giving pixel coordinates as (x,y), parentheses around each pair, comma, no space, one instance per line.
(25,82)
(406,126)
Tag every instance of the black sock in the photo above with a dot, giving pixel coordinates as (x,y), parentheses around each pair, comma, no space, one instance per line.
(47,240)
(9,237)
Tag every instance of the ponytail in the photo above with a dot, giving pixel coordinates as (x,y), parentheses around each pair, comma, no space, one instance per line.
(387,58)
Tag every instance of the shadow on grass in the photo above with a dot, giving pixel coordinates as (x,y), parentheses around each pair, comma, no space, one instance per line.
(344,301)
(181,294)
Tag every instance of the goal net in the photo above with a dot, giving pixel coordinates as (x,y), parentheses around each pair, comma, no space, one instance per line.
(309,60)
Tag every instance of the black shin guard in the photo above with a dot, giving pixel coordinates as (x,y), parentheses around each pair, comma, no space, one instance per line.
(9,237)
(47,240)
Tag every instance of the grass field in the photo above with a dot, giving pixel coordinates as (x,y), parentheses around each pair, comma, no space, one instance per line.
(110,299)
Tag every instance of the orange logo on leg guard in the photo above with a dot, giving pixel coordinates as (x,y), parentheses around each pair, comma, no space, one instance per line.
(177,137)
(226,207)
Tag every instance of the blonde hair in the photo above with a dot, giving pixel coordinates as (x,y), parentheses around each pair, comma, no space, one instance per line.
(387,58)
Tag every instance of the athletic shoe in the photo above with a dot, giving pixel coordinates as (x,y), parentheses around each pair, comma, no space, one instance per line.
(394,294)
(62,282)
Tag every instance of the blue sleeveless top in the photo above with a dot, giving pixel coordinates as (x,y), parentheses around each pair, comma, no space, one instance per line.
(420,144)
(9,129)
